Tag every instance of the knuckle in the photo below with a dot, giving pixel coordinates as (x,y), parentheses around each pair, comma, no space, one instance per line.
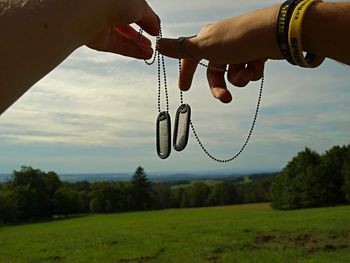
(207,28)
(205,37)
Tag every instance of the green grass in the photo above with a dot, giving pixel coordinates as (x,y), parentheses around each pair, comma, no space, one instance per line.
(246,233)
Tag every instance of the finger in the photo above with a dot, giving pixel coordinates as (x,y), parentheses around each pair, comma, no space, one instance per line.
(216,80)
(173,48)
(188,68)
(241,74)
(236,75)
(131,33)
(150,22)
(122,45)
(257,69)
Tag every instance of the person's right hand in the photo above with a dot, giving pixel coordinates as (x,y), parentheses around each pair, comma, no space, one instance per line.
(241,44)
(109,27)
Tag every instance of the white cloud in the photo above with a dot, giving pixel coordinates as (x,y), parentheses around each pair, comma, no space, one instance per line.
(75,106)
(104,100)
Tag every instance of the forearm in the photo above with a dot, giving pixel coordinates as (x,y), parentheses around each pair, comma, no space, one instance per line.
(326,31)
(35,37)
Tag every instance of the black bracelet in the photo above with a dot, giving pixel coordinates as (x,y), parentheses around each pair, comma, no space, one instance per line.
(282,27)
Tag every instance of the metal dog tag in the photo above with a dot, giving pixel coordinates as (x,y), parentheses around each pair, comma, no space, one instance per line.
(163,135)
(182,127)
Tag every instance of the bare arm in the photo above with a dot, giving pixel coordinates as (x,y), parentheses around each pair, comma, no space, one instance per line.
(245,42)
(37,35)
(327,31)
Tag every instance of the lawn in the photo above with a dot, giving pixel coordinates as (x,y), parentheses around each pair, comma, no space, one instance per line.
(243,233)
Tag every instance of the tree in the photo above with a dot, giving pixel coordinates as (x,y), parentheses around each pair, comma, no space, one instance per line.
(67,201)
(346,175)
(298,185)
(7,207)
(141,190)
(125,198)
(198,194)
(311,180)
(256,191)
(223,193)
(35,190)
(161,196)
(332,163)
(83,189)
(185,197)
(26,202)
(104,197)
(177,196)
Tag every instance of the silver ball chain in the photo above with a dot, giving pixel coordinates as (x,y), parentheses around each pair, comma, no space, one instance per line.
(161,68)
(247,139)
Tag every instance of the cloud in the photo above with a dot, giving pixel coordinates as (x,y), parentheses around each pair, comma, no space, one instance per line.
(100,108)
(80,104)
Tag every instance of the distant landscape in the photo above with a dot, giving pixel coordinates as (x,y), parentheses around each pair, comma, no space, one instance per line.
(309,180)
(298,214)
(154,176)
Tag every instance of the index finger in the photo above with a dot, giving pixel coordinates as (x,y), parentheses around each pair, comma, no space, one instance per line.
(173,48)
(150,22)
(187,70)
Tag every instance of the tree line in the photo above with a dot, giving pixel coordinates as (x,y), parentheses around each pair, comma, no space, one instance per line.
(33,194)
(308,180)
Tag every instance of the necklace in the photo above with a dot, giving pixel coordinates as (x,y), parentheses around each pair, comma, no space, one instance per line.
(183,120)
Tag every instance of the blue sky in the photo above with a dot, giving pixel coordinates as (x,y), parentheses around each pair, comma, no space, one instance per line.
(96,112)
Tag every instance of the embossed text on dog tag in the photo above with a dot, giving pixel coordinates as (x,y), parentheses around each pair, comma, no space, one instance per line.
(163,135)
(181,127)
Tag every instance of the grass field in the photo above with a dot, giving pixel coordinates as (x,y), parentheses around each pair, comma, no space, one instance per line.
(246,233)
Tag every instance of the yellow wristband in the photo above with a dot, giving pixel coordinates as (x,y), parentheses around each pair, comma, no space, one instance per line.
(294,37)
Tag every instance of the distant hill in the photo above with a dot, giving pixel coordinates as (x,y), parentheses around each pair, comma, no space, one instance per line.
(127,177)
(92,177)
(154,176)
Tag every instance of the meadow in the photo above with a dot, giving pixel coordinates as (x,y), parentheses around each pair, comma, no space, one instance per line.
(242,233)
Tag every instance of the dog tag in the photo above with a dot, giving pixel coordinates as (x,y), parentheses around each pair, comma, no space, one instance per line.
(163,135)
(182,127)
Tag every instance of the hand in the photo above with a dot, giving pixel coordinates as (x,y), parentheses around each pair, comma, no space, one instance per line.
(57,28)
(112,32)
(242,44)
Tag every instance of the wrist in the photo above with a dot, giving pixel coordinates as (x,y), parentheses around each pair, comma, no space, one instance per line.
(327,31)
(274,51)
(312,38)
(262,29)
(88,18)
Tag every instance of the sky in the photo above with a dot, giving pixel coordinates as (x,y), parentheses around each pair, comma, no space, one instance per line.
(96,112)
